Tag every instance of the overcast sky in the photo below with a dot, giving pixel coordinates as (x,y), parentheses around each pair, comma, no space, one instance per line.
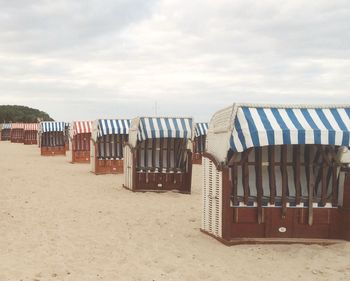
(82,60)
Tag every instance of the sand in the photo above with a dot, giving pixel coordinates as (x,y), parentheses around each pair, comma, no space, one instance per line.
(60,222)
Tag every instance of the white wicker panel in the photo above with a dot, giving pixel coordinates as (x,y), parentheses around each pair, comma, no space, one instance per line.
(205,194)
(133,131)
(217,201)
(212,198)
(69,153)
(127,166)
(220,129)
(92,156)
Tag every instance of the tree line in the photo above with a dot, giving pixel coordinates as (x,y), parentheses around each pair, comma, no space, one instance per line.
(22,114)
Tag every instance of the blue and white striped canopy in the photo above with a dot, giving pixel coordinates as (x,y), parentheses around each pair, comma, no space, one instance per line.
(113,127)
(261,126)
(201,129)
(51,126)
(162,127)
(7,126)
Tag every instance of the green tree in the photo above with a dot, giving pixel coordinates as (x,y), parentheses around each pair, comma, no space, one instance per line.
(22,114)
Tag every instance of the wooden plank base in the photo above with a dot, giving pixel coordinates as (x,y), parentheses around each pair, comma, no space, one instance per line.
(30,142)
(197,158)
(103,167)
(80,157)
(328,223)
(15,140)
(53,151)
(240,241)
(160,182)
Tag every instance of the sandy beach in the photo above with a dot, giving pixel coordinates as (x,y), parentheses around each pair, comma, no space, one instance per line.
(61,222)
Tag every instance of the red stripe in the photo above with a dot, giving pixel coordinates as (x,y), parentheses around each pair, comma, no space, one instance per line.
(82,127)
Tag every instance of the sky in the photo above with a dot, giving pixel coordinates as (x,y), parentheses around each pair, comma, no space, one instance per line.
(89,59)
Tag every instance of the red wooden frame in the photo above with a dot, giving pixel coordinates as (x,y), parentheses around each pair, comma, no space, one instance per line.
(53,150)
(6,134)
(107,166)
(160,181)
(240,225)
(17,135)
(30,137)
(81,148)
(197,156)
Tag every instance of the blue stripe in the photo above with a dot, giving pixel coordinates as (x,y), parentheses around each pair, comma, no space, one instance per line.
(282,124)
(161,129)
(168,127)
(106,128)
(267,125)
(113,126)
(296,123)
(144,128)
(240,134)
(157,129)
(153,131)
(347,110)
(317,131)
(201,129)
(52,126)
(331,130)
(184,127)
(232,144)
(337,117)
(127,126)
(252,128)
(177,130)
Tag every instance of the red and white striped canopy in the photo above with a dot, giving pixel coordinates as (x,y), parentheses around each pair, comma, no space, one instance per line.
(17,126)
(82,127)
(31,127)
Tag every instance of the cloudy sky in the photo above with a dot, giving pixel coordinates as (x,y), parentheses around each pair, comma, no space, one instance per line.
(89,59)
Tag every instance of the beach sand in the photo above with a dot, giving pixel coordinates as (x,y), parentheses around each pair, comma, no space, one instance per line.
(58,221)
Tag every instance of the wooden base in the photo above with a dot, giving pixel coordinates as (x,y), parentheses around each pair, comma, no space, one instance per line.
(197,158)
(21,140)
(103,167)
(30,142)
(328,223)
(53,151)
(160,182)
(240,241)
(81,157)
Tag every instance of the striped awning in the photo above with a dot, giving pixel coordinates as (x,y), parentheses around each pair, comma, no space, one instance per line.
(112,127)
(201,129)
(82,127)
(51,126)
(17,126)
(7,126)
(260,126)
(31,127)
(163,127)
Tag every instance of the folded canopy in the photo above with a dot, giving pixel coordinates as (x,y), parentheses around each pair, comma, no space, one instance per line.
(31,127)
(6,126)
(113,126)
(17,126)
(256,126)
(51,126)
(164,127)
(201,129)
(81,127)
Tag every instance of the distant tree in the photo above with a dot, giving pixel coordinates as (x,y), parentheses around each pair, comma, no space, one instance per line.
(22,114)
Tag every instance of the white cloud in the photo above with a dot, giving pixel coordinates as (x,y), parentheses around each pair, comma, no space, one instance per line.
(90,59)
